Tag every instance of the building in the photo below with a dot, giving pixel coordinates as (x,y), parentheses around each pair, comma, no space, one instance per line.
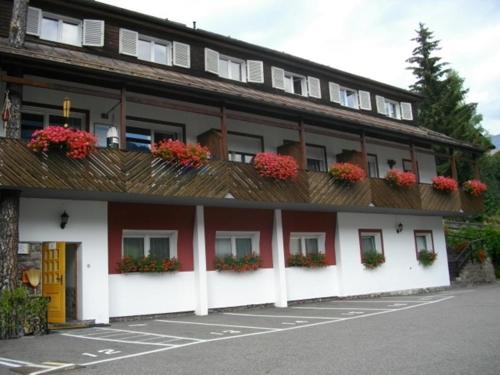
(154,79)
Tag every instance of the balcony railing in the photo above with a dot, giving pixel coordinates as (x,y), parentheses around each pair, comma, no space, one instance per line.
(114,171)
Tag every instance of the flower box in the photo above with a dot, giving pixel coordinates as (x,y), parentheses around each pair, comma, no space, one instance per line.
(241,264)
(187,155)
(474,187)
(148,264)
(347,172)
(76,144)
(444,184)
(372,259)
(308,261)
(426,258)
(400,179)
(279,167)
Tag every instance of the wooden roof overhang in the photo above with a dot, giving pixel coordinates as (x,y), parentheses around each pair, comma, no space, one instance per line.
(61,63)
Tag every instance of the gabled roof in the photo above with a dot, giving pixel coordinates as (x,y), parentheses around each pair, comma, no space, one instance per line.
(45,53)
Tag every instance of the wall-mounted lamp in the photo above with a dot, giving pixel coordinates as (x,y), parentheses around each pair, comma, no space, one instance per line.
(64,219)
(112,140)
(391,163)
(399,228)
(66,110)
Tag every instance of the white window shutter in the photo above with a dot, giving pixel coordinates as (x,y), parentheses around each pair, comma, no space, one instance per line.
(334,89)
(278,78)
(93,33)
(365,101)
(314,87)
(211,61)
(406,112)
(255,71)
(128,42)
(182,55)
(34,21)
(380,100)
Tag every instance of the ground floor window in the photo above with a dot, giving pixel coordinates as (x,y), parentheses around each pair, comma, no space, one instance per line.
(237,244)
(371,240)
(156,244)
(424,240)
(307,243)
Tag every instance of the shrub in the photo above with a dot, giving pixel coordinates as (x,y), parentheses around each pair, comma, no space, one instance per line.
(347,172)
(280,167)
(186,155)
(238,264)
(77,144)
(147,264)
(474,187)
(444,184)
(372,259)
(398,178)
(309,261)
(426,258)
(480,256)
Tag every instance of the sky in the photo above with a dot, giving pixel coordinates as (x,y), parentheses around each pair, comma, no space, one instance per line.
(371,38)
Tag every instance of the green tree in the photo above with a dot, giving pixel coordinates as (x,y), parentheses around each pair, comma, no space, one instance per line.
(490,174)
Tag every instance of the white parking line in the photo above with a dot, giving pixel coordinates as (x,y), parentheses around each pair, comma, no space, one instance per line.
(214,324)
(375,301)
(114,340)
(283,316)
(150,334)
(10,362)
(337,308)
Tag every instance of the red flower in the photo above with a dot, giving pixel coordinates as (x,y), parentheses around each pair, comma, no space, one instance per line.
(475,187)
(399,178)
(77,144)
(347,172)
(186,155)
(280,167)
(445,184)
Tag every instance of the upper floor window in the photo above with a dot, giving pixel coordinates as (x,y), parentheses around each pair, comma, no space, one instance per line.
(394,109)
(316,158)
(307,243)
(142,133)
(372,166)
(356,99)
(154,50)
(62,29)
(37,118)
(234,68)
(349,98)
(242,147)
(295,83)
(236,244)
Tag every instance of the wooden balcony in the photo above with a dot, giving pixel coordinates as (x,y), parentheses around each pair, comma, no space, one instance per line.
(138,173)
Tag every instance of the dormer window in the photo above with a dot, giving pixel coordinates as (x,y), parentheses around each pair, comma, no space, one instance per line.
(62,30)
(392,109)
(295,84)
(158,51)
(232,68)
(349,98)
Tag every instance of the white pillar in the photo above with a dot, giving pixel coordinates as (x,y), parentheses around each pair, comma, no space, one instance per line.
(200,262)
(279,261)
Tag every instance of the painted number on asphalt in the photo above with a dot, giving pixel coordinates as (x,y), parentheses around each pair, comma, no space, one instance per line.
(102,351)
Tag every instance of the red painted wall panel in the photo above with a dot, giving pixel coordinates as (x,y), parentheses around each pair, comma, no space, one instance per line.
(239,219)
(150,217)
(301,221)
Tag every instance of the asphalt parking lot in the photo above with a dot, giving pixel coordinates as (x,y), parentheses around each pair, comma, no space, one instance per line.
(451,332)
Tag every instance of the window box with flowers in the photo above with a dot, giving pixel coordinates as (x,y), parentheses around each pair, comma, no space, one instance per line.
(399,179)
(246,263)
(185,155)
(347,173)
(75,144)
(147,264)
(371,247)
(237,251)
(474,188)
(444,184)
(279,167)
(424,245)
(307,250)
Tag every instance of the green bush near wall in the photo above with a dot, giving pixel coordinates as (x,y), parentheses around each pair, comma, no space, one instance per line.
(21,313)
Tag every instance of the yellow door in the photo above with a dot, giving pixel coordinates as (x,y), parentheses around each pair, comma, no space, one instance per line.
(53,283)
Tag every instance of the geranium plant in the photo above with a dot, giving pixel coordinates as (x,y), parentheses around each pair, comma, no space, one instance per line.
(347,172)
(186,155)
(147,264)
(426,257)
(372,259)
(480,256)
(399,178)
(238,264)
(309,261)
(280,167)
(77,144)
(474,187)
(444,184)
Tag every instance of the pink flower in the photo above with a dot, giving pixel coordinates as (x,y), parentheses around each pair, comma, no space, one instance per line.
(347,172)
(77,144)
(187,155)
(475,187)
(399,178)
(280,167)
(445,184)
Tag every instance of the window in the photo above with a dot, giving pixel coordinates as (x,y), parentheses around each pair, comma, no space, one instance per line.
(349,98)
(407,167)
(424,240)
(392,109)
(232,68)
(372,166)
(243,147)
(150,49)
(236,244)
(295,84)
(61,29)
(73,122)
(371,240)
(142,133)
(307,243)
(316,158)
(35,118)
(157,244)
(30,122)
(241,157)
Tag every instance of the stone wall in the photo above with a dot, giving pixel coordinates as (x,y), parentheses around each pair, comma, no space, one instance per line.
(476,273)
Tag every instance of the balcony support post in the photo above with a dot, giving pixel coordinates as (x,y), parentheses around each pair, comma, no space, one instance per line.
(223,132)
(453,164)
(123,119)
(303,149)
(200,262)
(364,153)
(281,298)
(414,160)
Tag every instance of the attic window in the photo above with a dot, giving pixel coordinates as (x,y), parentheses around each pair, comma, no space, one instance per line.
(153,50)
(349,98)
(232,68)
(61,29)
(392,109)
(295,84)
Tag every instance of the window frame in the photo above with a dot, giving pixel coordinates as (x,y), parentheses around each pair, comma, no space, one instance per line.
(243,153)
(288,75)
(302,236)
(397,108)
(147,234)
(152,130)
(376,164)
(233,235)
(343,97)
(60,20)
(234,60)
(377,231)
(403,161)
(153,41)
(428,233)
(324,159)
